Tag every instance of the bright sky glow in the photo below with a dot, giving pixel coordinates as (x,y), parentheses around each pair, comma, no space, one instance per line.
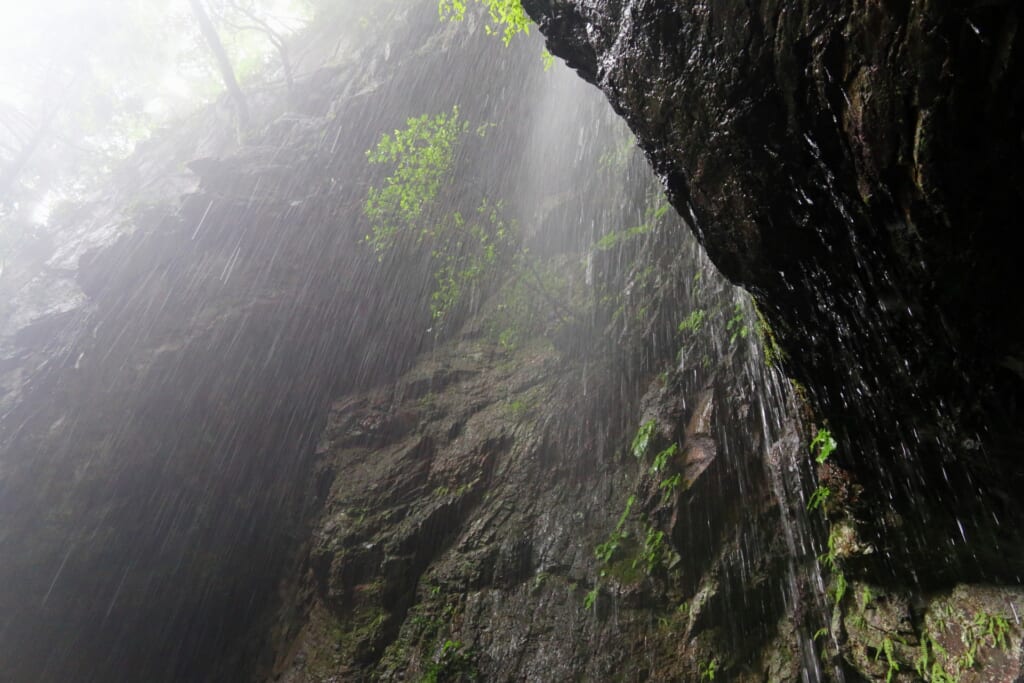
(98,75)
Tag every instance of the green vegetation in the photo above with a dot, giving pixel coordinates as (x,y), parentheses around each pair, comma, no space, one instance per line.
(605,551)
(616,159)
(615,237)
(839,586)
(662,458)
(653,554)
(994,630)
(829,557)
(693,322)
(773,353)
(708,670)
(453,662)
(445,491)
(984,631)
(866,596)
(406,210)
(427,401)
(519,408)
(421,156)
(466,257)
(85,82)
(825,445)
(887,648)
(818,498)
(548,294)
(735,327)
(952,641)
(668,486)
(507,16)
(927,664)
(548,59)
(642,440)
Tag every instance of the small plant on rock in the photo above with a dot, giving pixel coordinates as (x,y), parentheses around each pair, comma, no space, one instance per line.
(694,321)
(662,458)
(407,210)
(605,551)
(735,327)
(888,648)
(453,662)
(825,445)
(668,486)
(653,553)
(818,498)
(708,670)
(642,440)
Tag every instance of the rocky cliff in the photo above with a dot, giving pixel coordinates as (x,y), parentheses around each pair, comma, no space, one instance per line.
(856,167)
(237,445)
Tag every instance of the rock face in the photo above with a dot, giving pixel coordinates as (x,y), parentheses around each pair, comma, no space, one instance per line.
(462,507)
(237,446)
(554,507)
(246,451)
(857,167)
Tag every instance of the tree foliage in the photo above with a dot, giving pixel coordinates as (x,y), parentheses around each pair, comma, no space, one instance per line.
(415,206)
(422,156)
(471,248)
(507,17)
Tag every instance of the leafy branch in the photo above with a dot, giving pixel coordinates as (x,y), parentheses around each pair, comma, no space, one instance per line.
(506,16)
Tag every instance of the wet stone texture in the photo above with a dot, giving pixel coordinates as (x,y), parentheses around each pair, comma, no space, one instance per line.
(462,506)
(237,447)
(856,166)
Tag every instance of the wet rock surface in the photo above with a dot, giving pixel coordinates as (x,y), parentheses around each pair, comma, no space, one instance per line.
(856,166)
(463,505)
(236,446)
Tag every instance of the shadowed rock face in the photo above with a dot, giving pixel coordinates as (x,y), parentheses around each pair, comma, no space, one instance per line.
(856,166)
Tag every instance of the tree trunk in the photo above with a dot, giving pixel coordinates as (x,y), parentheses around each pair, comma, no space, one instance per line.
(223,63)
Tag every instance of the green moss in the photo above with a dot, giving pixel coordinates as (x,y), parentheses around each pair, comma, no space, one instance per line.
(626,571)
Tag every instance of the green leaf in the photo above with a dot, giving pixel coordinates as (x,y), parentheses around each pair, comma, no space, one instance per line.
(506,16)
(825,445)
(642,440)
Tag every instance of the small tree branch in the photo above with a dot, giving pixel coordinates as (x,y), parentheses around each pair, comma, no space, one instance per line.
(275,38)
